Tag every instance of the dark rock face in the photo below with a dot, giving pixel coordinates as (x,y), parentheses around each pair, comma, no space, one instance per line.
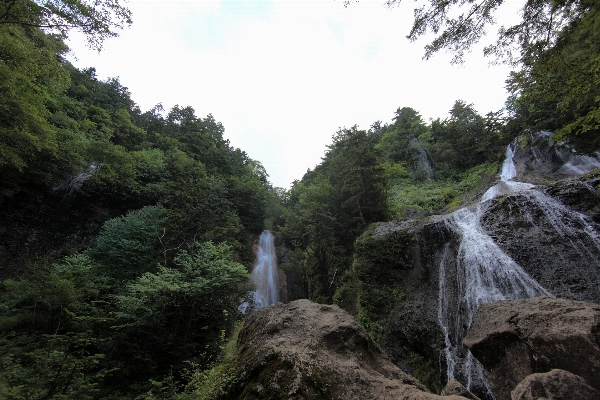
(554,385)
(413,337)
(514,339)
(579,193)
(539,160)
(558,246)
(304,350)
(549,240)
(36,221)
(564,261)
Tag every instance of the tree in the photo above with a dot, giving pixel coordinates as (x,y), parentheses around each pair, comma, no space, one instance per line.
(395,142)
(97,19)
(129,246)
(29,75)
(561,91)
(465,139)
(179,313)
(459,24)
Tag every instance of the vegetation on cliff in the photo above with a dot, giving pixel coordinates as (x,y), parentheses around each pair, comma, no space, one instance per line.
(126,235)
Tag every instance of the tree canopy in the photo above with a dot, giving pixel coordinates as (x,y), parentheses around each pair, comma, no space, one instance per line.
(97,19)
(458,24)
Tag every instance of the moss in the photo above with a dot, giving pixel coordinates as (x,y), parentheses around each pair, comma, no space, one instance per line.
(372,289)
(410,198)
(277,377)
(524,141)
(391,250)
(425,371)
(347,295)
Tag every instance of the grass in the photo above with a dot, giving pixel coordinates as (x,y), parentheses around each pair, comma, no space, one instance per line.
(408,198)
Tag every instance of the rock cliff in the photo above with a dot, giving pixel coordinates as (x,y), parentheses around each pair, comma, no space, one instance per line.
(539,347)
(303,350)
(550,232)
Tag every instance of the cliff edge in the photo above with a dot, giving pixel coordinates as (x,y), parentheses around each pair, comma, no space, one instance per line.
(303,350)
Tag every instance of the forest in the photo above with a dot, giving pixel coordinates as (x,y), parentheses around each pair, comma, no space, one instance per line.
(126,236)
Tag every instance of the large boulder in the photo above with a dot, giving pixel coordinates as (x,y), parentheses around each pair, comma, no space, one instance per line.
(514,339)
(455,387)
(554,385)
(304,350)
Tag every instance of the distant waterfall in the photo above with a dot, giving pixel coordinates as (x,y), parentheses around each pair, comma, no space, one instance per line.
(265,273)
(484,274)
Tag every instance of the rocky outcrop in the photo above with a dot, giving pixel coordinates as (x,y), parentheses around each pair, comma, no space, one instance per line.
(550,240)
(518,338)
(551,232)
(554,385)
(303,350)
(454,387)
(579,193)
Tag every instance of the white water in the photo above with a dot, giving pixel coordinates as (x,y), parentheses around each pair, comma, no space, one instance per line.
(75,182)
(572,163)
(484,274)
(509,172)
(265,273)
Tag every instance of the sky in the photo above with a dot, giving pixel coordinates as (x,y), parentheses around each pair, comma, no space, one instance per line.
(284,76)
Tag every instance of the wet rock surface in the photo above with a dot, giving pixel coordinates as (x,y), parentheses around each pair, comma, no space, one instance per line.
(555,245)
(517,338)
(580,193)
(304,350)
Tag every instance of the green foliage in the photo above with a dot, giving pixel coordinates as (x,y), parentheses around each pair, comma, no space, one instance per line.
(128,246)
(96,19)
(465,139)
(29,74)
(77,151)
(51,366)
(330,207)
(47,341)
(212,383)
(179,313)
(559,90)
(396,139)
(459,25)
(413,198)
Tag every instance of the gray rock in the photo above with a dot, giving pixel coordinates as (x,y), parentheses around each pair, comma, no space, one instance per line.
(304,350)
(454,387)
(554,385)
(514,339)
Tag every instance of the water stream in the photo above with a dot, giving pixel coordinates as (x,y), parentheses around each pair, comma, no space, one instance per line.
(483,274)
(265,273)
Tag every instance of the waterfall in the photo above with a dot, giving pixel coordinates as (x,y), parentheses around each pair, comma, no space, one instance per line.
(422,166)
(74,182)
(508,173)
(265,273)
(484,274)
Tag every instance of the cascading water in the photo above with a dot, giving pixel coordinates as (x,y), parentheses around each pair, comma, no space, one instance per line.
(484,274)
(265,273)
(74,182)
(422,169)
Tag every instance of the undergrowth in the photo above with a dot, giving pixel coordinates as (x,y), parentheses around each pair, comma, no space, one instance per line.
(202,384)
(408,198)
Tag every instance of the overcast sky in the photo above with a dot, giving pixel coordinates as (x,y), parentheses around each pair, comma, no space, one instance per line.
(283,76)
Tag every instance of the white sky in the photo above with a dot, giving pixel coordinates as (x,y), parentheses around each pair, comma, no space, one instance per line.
(282,76)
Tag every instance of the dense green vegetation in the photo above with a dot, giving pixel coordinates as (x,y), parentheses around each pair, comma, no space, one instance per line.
(157,287)
(127,235)
(403,170)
